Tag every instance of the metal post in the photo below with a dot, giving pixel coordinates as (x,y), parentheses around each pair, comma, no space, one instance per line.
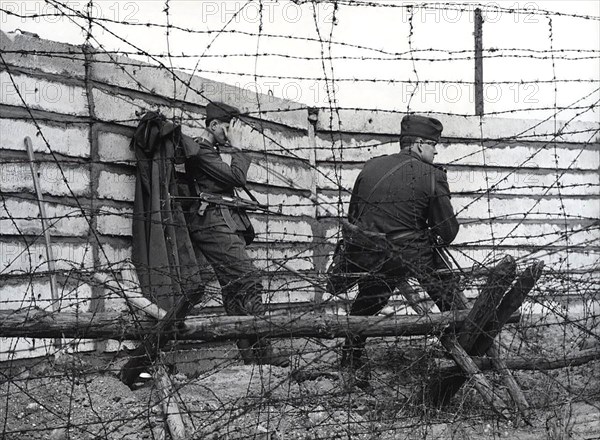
(478,63)
(320,260)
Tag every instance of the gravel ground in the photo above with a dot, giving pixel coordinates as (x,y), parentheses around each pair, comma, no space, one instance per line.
(80,397)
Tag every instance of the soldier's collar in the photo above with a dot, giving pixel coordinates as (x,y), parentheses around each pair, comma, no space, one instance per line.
(207,139)
(412,153)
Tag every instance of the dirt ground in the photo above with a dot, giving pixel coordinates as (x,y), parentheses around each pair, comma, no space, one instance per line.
(80,397)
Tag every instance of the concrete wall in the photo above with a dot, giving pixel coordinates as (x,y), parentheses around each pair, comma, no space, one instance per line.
(519,188)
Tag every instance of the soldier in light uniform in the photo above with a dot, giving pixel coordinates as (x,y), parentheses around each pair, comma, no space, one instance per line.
(219,232)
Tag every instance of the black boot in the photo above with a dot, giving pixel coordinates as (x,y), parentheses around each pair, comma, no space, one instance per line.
(265,355)
(354,370)
(246,348)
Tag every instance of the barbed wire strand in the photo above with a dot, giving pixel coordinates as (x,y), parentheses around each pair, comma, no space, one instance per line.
(353,423)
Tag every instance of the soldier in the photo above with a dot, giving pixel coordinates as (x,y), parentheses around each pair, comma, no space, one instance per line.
(398,203)
(221,232)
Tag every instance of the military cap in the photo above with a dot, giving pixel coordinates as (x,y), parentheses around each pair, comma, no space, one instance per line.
(421,126)
(220,111)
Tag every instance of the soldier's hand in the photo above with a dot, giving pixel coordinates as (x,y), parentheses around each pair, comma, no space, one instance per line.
(234,134)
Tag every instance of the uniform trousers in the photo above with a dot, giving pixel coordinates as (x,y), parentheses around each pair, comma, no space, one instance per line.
(383,270)
(225,250)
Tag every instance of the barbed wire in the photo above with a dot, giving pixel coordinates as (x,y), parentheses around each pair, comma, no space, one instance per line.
(265,400)
(528,53)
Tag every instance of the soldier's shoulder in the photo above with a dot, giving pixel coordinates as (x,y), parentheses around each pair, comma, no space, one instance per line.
(195,146)
(439,172)
(435,168)
(378,158)
(203,142)
(375,162)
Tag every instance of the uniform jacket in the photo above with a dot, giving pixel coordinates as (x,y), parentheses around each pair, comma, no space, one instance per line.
(206,170)
(412,199)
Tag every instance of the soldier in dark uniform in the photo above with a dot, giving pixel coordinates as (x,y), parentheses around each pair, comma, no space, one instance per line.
(217,231)
(398,203)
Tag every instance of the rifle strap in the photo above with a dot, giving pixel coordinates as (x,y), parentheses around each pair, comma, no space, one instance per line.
(250,194)
(432,183)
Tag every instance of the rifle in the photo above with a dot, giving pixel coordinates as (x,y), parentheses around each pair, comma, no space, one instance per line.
(444,255)
(206,198)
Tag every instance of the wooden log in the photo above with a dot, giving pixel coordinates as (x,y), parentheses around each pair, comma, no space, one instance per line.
(498,281)
(457,345)
(510,303)
(483,363)
(531,364)
(464,361)
(515,391)
(36,323)
(486,303)
(169,404)
(447,385)
(442,389)
(482,312)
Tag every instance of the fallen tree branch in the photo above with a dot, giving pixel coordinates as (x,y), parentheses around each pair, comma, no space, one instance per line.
(35,323)
(537,363)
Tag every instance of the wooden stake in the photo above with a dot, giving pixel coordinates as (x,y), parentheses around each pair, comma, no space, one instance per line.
(169,404)
(458,345)
(510,303)
(487,302)
(443,388)
(45,230)
(509,380)
(464,361)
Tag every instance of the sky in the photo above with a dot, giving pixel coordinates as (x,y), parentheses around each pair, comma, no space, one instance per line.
(329,54)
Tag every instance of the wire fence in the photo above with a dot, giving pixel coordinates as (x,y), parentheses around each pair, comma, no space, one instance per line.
(524,181)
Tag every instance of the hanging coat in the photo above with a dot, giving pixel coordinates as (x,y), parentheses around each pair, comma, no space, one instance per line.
(162,250)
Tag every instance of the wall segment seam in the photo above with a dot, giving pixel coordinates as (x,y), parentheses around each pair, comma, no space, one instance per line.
(97,303)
